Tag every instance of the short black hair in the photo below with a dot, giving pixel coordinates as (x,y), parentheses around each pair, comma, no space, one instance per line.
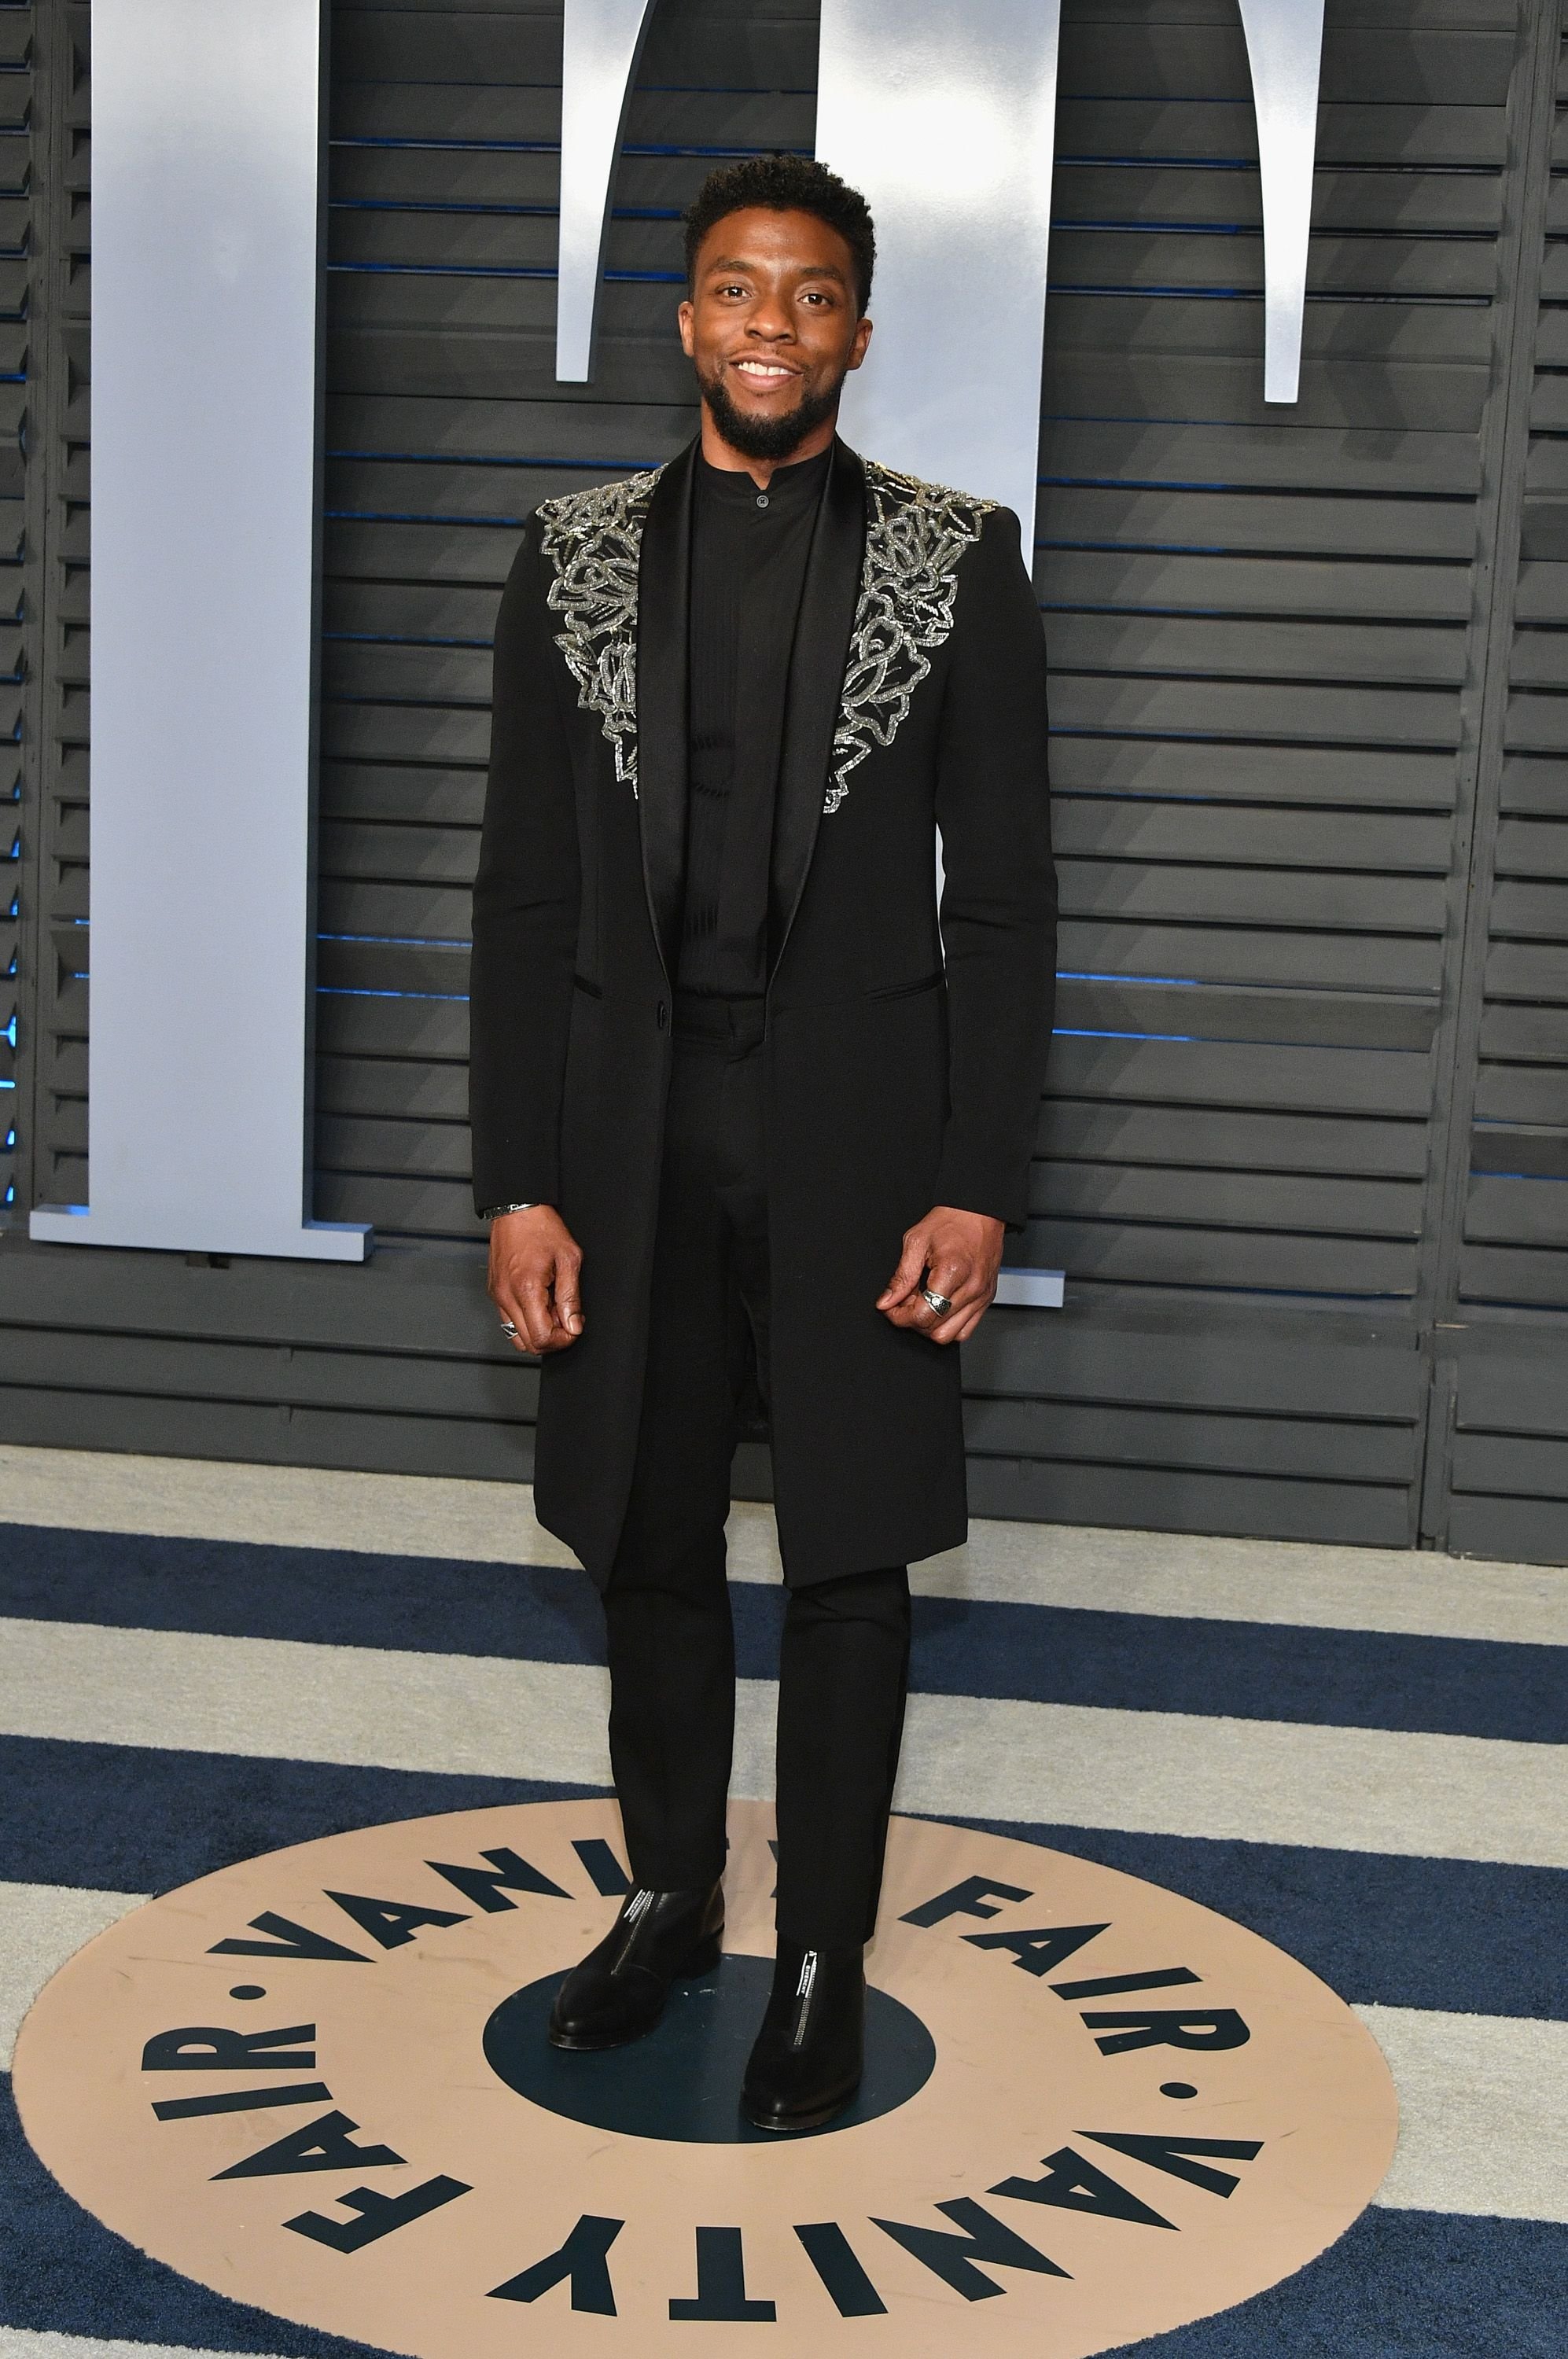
(785,184)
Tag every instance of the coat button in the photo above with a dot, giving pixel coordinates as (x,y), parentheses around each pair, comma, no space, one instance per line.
(663,1015)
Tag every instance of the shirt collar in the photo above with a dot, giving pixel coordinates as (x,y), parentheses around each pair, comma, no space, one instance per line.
(791,486)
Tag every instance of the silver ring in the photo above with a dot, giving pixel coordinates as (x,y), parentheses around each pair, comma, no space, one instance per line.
(938,1302)
(507,1328)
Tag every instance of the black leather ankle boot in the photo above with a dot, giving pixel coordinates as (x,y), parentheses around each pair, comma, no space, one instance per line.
(618,1992)
(808,2059)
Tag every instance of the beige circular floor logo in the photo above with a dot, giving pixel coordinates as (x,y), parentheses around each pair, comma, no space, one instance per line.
(318,2082)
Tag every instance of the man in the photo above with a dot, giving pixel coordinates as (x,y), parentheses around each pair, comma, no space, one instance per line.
(744,1116)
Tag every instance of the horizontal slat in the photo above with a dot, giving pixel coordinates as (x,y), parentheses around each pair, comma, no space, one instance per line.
(1528,1467)
(1515,1391)
(1522,1093)
(1184,1500)
(1341,1018)
(1518,1274)
(409,1149)
(1532,847)
(1103,824)
(1541,593)
(396,1207)
(373,1087)
(423,549)
(1281,956)
(1256,585)
(1201,770)
(415,610)
(1240,1258)
(1540,1152)
(1247,897)
(386,1381)
(1538,1034)
(557,431)
(1527,912)
(1227,1140)
(1341,200)
(82,1418)
(1536,784)
(1525,1531)
(1240,708)
(1308,650)
(1226,131)
(1526,970)
(408,732)
(393,913)
(387,44)
(417,674)
(1212,460)
(1330,1080)
(1150,1438)
(1244,1200)
(1518,1211)
(427,855)
(376,791)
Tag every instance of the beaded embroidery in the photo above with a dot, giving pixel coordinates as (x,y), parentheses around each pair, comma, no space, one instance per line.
(915,535)
(593,540)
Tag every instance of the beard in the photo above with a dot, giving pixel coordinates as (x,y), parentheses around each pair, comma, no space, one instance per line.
(772,437)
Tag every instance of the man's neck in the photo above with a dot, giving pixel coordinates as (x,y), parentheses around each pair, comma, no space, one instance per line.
(722,454)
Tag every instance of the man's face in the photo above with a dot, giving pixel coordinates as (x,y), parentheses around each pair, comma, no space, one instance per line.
(773,327)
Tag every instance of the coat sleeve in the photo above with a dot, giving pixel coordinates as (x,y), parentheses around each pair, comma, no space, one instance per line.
(999,902)
(526,897)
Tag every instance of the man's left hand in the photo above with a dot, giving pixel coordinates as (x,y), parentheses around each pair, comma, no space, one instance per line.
(953,1253)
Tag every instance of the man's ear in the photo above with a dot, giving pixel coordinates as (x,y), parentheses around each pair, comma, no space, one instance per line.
(862,338)
(685,319)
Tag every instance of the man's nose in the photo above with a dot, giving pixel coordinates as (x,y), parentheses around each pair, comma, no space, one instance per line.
(771,320)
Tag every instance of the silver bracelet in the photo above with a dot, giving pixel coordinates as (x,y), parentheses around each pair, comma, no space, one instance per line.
(495,1211)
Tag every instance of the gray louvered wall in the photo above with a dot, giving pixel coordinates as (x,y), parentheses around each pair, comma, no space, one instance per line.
(16,656)
(1284,759)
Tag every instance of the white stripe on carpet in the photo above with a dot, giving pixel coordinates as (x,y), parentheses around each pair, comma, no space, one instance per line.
(1483,2099)
(1149,1772)
(30,2343)
(41,1925)
(1483,2113)
(1040,1564)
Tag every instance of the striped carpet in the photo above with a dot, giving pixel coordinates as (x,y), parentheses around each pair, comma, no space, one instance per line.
(1359,1754)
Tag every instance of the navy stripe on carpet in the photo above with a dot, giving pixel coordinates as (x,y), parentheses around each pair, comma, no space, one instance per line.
(1137,1662)
(1400,2285)
(1463,1936)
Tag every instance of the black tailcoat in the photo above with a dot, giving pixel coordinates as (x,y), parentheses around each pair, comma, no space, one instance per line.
(904,1056)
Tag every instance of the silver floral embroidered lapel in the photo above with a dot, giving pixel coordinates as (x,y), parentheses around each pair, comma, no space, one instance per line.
(915,535)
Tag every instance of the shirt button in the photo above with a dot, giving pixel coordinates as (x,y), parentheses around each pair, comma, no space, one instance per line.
(762,499)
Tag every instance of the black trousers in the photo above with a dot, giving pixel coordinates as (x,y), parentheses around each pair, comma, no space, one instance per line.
(844,1663)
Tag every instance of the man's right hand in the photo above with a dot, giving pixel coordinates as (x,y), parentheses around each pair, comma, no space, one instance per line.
(534,1262)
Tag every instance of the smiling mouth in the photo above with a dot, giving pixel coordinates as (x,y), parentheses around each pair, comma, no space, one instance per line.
(764,377)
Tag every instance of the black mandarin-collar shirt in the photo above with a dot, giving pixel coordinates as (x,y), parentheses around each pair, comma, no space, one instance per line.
(748,565)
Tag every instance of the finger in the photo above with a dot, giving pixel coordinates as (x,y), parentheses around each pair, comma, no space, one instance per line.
(510,1311)
(960,1327)
(956,1285)
(568,1294)
(906,1279)
(536,1318)
(949,1330)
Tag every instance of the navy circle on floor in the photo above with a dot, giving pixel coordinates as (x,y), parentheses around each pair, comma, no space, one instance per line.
(683,2080)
